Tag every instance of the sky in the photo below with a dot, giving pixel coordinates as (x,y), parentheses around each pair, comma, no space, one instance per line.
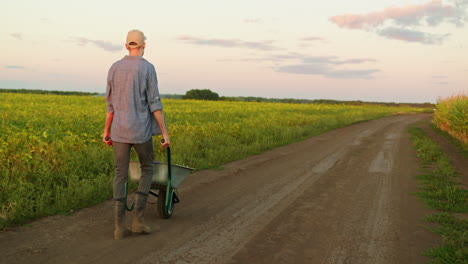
(370,50)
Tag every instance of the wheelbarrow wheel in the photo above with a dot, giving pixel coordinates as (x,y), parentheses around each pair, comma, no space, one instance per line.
(163,213)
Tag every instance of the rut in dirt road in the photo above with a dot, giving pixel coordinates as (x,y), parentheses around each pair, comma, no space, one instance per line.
(341,197)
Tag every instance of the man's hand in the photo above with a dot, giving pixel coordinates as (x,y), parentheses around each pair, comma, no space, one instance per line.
(107,139)
(159,116)
(165,142)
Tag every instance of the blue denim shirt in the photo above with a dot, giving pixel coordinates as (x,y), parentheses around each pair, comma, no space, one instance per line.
(132,96)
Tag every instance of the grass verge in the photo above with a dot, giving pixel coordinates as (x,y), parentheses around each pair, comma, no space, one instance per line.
(440,191)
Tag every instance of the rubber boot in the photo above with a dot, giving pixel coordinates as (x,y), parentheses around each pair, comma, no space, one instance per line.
(119,217)
(138,224)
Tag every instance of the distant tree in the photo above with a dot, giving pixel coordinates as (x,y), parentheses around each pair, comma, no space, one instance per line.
(171,96)
(204,94)
(224,98)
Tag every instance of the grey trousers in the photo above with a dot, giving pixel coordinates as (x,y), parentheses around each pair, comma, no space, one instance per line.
(121,164)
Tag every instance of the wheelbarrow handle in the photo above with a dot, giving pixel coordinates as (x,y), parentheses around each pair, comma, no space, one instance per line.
(168,156)
(169,192)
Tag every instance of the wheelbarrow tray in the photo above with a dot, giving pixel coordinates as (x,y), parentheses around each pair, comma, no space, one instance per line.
(178,173)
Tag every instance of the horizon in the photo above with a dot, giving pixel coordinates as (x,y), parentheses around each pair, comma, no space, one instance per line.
(238,96)
(408,51)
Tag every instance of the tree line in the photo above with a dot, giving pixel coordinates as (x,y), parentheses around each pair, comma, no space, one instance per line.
(206,94)
(29,91)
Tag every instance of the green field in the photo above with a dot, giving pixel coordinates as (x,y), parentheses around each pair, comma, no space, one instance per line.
(52,159)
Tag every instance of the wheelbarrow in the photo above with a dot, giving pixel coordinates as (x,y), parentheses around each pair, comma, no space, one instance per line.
(166,179)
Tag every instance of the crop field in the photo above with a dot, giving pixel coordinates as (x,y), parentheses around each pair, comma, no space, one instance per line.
(52,159)
(452,116)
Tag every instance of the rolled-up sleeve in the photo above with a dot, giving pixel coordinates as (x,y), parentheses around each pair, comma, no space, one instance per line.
(154,100)
(110,106)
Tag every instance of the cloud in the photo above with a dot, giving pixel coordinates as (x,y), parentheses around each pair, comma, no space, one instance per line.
(356,61)
(412,35)
(309,41)
(289,56)
(17,36)
(432,13)
(313,39)
(318,59)
(325,70)
(105,45)
(16,67)
(253,20)
(401,22)
(327,66)
(229,43)
(244,60)
(352,74)
(272,58)
(334,60)
(314,59)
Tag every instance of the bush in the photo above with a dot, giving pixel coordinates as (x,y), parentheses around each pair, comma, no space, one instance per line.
(204,94)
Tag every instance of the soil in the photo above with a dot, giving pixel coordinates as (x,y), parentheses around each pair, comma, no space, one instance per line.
(346,196)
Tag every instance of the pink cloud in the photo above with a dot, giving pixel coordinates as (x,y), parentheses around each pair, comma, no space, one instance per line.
(433,13)
(404,23)
(313,39)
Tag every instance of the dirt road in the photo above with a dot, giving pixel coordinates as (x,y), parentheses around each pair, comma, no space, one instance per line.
(341,197)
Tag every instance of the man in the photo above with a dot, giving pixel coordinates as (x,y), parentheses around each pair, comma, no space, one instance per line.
(134,111)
